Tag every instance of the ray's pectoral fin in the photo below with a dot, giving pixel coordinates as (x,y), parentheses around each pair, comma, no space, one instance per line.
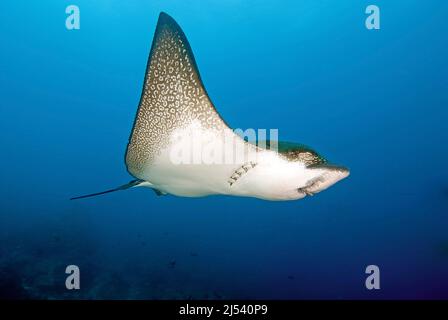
(131,184)
(173,97)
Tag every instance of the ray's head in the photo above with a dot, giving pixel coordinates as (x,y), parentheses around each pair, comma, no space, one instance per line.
(318,173)
(322,177)
(305,172)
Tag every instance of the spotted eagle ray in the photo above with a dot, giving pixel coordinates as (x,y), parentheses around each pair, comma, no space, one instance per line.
(175,110)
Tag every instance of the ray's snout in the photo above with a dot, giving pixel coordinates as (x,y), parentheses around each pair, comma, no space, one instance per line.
(327,175)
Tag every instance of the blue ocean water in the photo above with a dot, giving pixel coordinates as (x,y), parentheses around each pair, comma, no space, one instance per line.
(372,100)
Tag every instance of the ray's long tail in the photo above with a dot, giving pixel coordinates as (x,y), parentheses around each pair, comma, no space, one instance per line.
(128,185)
